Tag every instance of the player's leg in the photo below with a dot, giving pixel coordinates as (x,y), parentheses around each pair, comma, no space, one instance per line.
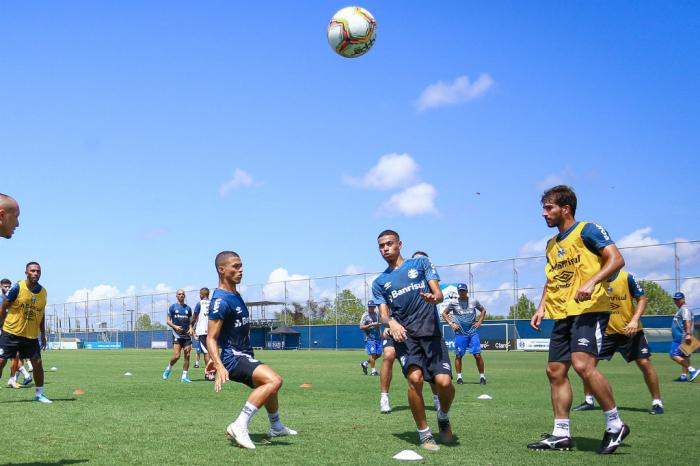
(439,372)
(681,359)
(589,401)
(14,366)
(198,350)
(414,377)
(388,357)
(173,359)
(186,361)
(27,377)
(475,350)
(461,342)
(611,344)
(436,396)
(30,349)
(266,375)
(2,365)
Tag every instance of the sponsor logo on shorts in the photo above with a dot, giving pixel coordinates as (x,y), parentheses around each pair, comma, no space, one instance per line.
(583,342)
(412,273)
(402,360)
(645,351)
(446,366)
(2,351)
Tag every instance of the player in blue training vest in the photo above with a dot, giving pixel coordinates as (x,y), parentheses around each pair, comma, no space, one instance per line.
(682,332)
(407,293)
(229,329)
(369,324)
(179,319)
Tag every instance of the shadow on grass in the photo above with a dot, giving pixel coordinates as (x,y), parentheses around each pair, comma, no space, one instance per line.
(263,440)
(53,463)
(638,410)
(592,445)
(412,438)
(31,400)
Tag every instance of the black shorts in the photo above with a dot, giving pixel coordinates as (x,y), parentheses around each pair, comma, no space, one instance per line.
(183,341)
(241,369)
(203,344)
(10,345)
(631,348)
(427,353)
(388,342)
(582,333)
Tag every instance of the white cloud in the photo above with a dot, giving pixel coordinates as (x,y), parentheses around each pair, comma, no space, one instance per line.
(297,286)
(461,90)
(535,247)
(352,270)
(240,179)
(645,253)
(691,289)
(549,182)
(391,171)
(416,200)
(103,291)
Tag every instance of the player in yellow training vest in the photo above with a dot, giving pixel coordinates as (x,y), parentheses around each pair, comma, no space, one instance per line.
(579,260)
(22,317)
(624,334)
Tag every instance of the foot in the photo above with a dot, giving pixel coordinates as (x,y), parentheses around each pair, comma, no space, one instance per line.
(656,409)
(612,440)
(12,383)
(692,375)
(552,442)
(363,365)
(584,407)
(27,381)
(42,399)
(482,380)
(374,373)
(460,381)
(682,378)
(429,444)
(445,430)
(281,433)
(384,406)
(240,435)
(185,380)
(196,365)
(166,374)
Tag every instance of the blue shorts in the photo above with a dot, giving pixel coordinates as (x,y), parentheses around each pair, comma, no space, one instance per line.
(676,349)
(373,346)
(464,342)
(195,343)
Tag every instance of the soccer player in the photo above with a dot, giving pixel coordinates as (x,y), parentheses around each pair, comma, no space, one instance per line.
(200,322)
(229,329)
(579,260)
(17,363)
(23,320)
(180,320)
(460,314)
(681,331)
(9,216)
(407,293)
(624,334)
(373,343)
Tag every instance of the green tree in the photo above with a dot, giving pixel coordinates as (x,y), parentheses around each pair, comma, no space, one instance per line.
(523,309)
(143,322)
(660,301)
(350,307)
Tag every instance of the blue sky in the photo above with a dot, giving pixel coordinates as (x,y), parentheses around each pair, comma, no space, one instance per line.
(141,139)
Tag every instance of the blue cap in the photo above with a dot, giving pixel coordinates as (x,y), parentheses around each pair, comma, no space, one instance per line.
(462,286)
(370,303)
(679,295)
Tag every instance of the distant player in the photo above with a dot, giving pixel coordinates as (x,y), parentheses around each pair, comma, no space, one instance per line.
(460,314)
(180,320)
(201,326)
(229,329)
(681,332)
(23,321)
(373,342)
(579,260)
(17,363)
(407,293)
(624,334)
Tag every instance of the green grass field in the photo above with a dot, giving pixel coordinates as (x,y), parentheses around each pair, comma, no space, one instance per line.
(143,420)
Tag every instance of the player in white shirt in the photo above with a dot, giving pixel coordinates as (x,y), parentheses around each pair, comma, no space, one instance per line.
(200,322)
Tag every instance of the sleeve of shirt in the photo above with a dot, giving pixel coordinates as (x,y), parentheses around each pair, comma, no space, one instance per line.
(363,319)
(595,237)
(171,312)
(197,308)
(429,269)
(635,288)
(218,308)
(478,305)
(687,315)
(377,293)
(12,293)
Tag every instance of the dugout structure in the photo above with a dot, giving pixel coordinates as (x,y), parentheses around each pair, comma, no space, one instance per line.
(283,337)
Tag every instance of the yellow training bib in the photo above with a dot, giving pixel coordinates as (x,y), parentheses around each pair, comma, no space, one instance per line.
(25,313)
(621,304)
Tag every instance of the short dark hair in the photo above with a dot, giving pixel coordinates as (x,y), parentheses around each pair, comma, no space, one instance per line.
(31,263)
(204,290)
(419,253)
(222,257)
(389,233)
(561,195)
(5,281)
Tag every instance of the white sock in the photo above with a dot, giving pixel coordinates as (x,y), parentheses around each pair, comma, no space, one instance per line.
(443,415)
(423,434)
(24,372)
(656,402)
(374,371)
(482,375)
(589,399)
(13,378)
(247,412)
(613,423)
(169,367)
(275,421)
(39,391)
(561,428)
(29,366)
(184,374)
(459,375)
(384,396)
(691,368)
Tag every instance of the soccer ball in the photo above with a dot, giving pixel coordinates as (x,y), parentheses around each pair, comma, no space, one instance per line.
(352,31)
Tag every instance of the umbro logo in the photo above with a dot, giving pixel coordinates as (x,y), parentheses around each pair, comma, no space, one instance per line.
(645,351)
(402,360)
(446,366)
(412,273)
(387,285)
(614,306)
(583,342)
(238,310)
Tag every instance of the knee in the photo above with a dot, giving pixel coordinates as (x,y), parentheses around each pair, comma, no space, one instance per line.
(555,374)
(276,382)
(442,382)
(415,379)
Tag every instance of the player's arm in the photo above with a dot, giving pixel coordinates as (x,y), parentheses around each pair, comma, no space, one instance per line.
(597,239)
(215,364)
(396,330)
(482,316)
(435,296)
(638,293)
(3,311)
(447,318)
(195,318)
(366,326)
(169,323)
(191,329)
(539,313)
(688,328)
(42,328)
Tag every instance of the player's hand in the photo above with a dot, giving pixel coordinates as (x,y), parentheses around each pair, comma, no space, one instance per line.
(429,297)
(178,329)
(398,333)
(454,326)
(476,325)
(584,293)
(631,328)
(386,333)
(43,341)
(537,320)
(687,339)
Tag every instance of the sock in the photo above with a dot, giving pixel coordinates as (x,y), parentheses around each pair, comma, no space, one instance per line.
(374,371)
(184,374)
(691,369)
(13,378)
(24,372)
(459,375)
(656,402)
(436,399)
(39,391)
(482,375)
(613,423)
(169,367)
(684,375)
(424,434)
(443,415)
(561,428)
(247,412)
(29,366)
(275,421)
(589,399)
(384,396)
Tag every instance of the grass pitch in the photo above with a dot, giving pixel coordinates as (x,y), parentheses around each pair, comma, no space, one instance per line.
(143,420)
